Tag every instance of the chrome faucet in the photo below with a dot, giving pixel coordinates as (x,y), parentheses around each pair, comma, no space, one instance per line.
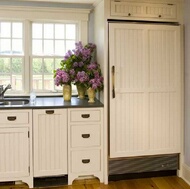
(3,90)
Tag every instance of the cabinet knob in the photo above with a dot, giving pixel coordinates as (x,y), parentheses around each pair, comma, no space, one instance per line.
(160,16)
(85,135)
(11,118)
(85,115)
(129,14)
(85,161)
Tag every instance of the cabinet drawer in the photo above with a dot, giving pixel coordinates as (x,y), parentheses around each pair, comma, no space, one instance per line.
(85,116)
(85,161)
(85,135)
(14,118)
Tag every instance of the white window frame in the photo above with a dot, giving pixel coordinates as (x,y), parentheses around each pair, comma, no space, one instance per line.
(42,14)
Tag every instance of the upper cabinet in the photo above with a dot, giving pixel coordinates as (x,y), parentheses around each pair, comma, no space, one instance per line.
(167,11)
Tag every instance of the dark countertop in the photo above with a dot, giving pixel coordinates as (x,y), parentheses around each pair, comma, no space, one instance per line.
(55,102)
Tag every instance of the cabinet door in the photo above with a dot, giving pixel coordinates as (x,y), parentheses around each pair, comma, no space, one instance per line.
(14,152)
(162,11)
(128,9)
(50,142)
(145,98)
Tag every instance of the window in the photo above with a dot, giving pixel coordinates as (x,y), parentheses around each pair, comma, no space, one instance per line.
(50,41)
(30,49)
(11,54)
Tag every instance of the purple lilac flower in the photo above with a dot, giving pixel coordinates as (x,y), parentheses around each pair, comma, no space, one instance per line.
(72,72)
(68,54)
(62,77)
(80,64)
(92,66)
(82,77)
(75,64)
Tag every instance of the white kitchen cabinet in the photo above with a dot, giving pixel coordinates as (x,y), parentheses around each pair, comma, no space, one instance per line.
(85,143)
(145,98)
(16,146)
(155,10)
(50,142)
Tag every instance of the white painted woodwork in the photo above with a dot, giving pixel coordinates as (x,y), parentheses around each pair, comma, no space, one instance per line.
(20,117)
(85,115)
(145,10)
(78,166)
(14,148)
(145,115)
(78,133)
(50,142)
(85,148)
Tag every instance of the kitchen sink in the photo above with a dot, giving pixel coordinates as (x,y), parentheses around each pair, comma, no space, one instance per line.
(13,101)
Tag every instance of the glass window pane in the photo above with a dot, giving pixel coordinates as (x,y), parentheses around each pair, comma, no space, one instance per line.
(70,45)
(37,31)
(17,30)
(37,65)
(59,31)
(70,31)
(17,46)
(37,47)
(5,29)
(16,82)
(5,66)
(59,47)
(17,65)
(57,62)
(5,79)
(37,82)
(48,47)
(48,82)
(5,46)
(48,66)
(48,31)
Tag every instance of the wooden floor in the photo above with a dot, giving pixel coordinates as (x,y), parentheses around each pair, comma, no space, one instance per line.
(147,183)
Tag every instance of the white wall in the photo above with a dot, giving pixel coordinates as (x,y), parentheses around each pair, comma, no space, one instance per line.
(187,80)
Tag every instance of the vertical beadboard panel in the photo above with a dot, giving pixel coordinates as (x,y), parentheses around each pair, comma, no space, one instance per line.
(50,147)
(164,91)
(13,143)
(128,128)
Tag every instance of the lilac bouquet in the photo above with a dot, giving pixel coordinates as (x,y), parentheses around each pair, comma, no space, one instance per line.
(78,67)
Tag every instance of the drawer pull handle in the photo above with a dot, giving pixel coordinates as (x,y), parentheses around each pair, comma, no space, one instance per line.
(85,115)
(49,111)
(85,135)
(12,118)
(85,161)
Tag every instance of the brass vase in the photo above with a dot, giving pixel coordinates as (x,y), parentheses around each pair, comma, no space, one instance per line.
(81,91)
(91,95)
(67,92)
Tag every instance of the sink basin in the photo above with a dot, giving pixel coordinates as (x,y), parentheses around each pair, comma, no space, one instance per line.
(15,102)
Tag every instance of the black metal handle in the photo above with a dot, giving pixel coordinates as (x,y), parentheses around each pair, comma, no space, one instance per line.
(85,115)
(129,14)
(113,81)
(85,161)
(85,135)
(160,16)
(11,118)
(49,111)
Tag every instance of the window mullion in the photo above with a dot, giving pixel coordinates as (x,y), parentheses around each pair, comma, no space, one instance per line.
(27,53)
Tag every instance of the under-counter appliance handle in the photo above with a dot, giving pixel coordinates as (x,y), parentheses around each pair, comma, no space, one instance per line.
(113,81)
(49,111)
(85,161)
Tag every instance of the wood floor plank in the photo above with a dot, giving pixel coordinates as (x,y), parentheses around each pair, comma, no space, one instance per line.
(173,182)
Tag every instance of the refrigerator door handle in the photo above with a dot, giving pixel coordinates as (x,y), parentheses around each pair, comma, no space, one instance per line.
(113,81)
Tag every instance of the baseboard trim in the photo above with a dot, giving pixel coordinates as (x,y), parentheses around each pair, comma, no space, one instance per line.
(186,173)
